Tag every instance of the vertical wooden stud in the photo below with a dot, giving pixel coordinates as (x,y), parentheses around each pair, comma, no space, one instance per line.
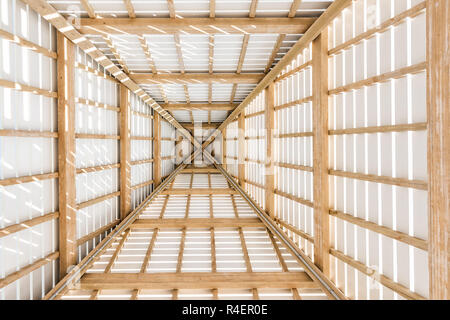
(320,151)
(156,149)
(438,147)
(66,154)
(224,148)
(241,148)
(269,113)
(125,153)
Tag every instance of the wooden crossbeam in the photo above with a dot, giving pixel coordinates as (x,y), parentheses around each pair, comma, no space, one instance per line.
(199,106)
(130,9)
(194,25)
(197,280)
(199,191)
(196,223)
(195,78)
(87,6)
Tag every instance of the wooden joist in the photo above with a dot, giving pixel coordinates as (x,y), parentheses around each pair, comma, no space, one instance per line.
(197,280)
(97,232)
(91,202)
(6,231)
(197,223)
(194,78)
(27,44)
(98,168)
(199,106)
(27,179)
(199,191)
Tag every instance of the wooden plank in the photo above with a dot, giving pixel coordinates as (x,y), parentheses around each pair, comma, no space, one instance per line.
(148,254)
(100,105)
(130,9)
(199,191)
(196,223)
(66,154)
(27,44)
(199,106)
(27,179)
(241,148)
(294,198)
(26,88)
(212,8)
(8,230)
(376,129)
(294,7)
(197,280)
(397,235)
(372,273)
(143,161)
(87,6)
(213,250)
(98,73)
(97,232)
(438,111)
(270,151)
(224,148)
(141,26)
(275,50)
(320,152)
(27,133)
(188,201)
(171,8)
(181,251)
(98,168)
(295,230)
(96,136)
(141,185)
(252,11)
(117,251)
(156,149)
(294,71)
(194,78)
(91,202)
(294,166)
(28,269)
(125,152)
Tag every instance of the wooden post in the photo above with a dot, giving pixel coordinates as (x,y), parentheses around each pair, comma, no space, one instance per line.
(438,147)
(156,149)
(66,154)
(241,148)
(269,113)
(125,153)
(224,148)
(320,152)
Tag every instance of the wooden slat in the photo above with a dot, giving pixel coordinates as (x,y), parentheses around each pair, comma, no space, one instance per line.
(141,185)
(293,166)
(294,103)
(212,8)
(26,88)
(197,280)
(295,230)
(125,152)
(117,251)
(294,7)
(156,149)
(252,11)
(196,223)
(27,179)
(27,133)
(394,234)
(320,152)
(27,44)
(241,148)
(294,198)
(96,136)
(438,145)
(148,254)
(87,6)
(66,154)
(194,78)
(98,73)
(199,191)
(139,26)
(270,151)
(380,129)
(199,106)
(98,168)
(91,202)
(97,232)
(143,161)
(181,251)
(401,182)
(294,71)
(130,9)
(28,269)
(372,273)
(275,50)
(213,251)
(96,104)
(171,8)
(6,231)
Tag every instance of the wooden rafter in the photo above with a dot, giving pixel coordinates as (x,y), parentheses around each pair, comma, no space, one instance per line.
(199,106)
(183,78)
(88,7)
(294,8)
(130,8)
(275,50)
(252,11)
(240,63)
(171,7)
(212,8)
(115,53)
(194,25)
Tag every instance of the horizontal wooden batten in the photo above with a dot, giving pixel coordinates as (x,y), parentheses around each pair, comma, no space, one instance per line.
(96,136)
(140,114)
(295,230)
(254,161)
(420,67)
(293,135)
(27,179)
(28,269)
(256,184)
(98,168)
(385,281)
(27,44)
(138,162)
(27,133)
(200,170)
(196,223)
(293,198)
(195,78)
(197,280)
(381,129)
(201,125)
(293,166)
(397,235)
(167,158)
(416,184)
(255,114)
(139,26)
(97,232)
(96,104)
(6,231)
(199,191)
(293,103)
(141,185)
(414,11)
(294,71)
(26,88)
(98,73)
(199,106)
(97,200)
(141,138)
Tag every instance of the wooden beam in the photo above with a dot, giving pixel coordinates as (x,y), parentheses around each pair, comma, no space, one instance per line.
(275,50)
(199,106)
(27,44)
(294,7)
(194,25)
(199,191)
(197,280)
(13,228)
(130,9)
(270,151)
(205,126)
(241,148)
(313,31)
(320,152)
(194,78)
(179,51)
(115,53)
(171,7)
(66,154)
(117,251)
(156,149)
(212,8)
(87,6)
(438,98)
(224,148)
(97,232)
(192,223)
(252,11)
(125,152)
